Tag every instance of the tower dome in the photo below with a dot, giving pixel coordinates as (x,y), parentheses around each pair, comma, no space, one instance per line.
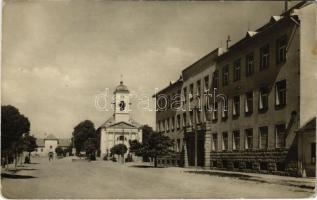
(121,88)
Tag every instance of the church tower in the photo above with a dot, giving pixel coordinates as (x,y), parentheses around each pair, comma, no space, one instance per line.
(121,103)
(120,128)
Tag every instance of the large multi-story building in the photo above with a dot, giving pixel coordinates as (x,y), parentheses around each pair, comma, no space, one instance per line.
(256,105)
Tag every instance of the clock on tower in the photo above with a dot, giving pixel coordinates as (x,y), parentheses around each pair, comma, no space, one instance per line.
(121,110)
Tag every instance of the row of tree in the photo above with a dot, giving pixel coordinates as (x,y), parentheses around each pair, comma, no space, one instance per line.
(153,145)
(87,138)
(15,135)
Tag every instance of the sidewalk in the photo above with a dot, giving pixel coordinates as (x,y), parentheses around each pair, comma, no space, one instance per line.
(305,183)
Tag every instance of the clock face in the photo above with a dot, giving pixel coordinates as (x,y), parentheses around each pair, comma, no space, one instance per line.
(122,105)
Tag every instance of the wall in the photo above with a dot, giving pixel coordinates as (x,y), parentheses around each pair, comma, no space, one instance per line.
(308,62)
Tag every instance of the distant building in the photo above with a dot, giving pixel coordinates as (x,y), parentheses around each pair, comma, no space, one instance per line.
(266,122)
(120,128)
(49,144)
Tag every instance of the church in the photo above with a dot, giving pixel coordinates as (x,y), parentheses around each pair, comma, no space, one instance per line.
(120,128)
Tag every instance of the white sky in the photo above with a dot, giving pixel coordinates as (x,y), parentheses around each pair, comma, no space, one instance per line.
(57,55)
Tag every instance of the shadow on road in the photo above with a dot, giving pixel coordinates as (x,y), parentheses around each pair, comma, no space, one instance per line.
(14,176)
(144,166)
(220,174)
(251,178)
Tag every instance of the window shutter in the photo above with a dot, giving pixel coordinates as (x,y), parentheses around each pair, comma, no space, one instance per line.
(246,105)
(277,98)
(261,101)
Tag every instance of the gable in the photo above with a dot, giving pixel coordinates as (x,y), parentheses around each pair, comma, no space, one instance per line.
(122,125)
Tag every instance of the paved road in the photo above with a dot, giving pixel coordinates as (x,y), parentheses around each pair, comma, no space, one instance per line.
(65,179)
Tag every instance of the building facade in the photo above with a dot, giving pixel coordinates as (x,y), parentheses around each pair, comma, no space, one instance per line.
(120,128)
(256,92)
(49,144)
(168,121)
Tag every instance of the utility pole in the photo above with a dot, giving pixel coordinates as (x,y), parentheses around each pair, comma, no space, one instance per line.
(285,5)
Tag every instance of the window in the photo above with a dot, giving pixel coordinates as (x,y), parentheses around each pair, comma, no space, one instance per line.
(224,141)
(248,103)
(198,115)
(264,57)
(191,91)
(236,140)
(206,84)
(185,94)
(184,119)
(216,79)
(167,125)
(198,88)
(236,106)
(207,114)
(280,135)
(281,49)
(162,126)
(191,118)
(215,111)
(263,137)
(263,99)
(214,143)
(248,138)
(178,147)
(121,138)
(158,126)
(178,121)
(249,64)
(313,153)
(224,111)
(237,70)
(172,123)
(280,93)
(225,75)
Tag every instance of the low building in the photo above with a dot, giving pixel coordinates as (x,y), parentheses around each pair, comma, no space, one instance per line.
(49,144)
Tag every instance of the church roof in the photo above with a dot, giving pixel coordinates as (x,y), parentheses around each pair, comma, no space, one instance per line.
(113,124)
(122,125)
(121,88)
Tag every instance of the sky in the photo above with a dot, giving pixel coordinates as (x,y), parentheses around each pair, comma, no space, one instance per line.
(58,55)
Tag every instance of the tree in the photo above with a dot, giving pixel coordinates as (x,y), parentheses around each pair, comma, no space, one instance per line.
(154,146)
(135,147)
(119,149)
(59,151)
(82,132)
(13,125)
(90,148)
(29,144)
(157,145)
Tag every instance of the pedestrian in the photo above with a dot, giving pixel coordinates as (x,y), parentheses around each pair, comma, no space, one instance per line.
(50,156)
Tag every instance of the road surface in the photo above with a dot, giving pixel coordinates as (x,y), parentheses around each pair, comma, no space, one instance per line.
(105,179)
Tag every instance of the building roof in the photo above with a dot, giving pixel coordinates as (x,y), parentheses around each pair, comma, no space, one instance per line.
(111,122)
(309,126)
(272,24)
(50,137)
(40,142)
(172,85)
(64,142)
(121,88)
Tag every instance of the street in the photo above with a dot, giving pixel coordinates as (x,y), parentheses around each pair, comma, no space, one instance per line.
(104,179)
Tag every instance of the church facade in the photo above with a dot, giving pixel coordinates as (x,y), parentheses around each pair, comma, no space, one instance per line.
(120,128)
